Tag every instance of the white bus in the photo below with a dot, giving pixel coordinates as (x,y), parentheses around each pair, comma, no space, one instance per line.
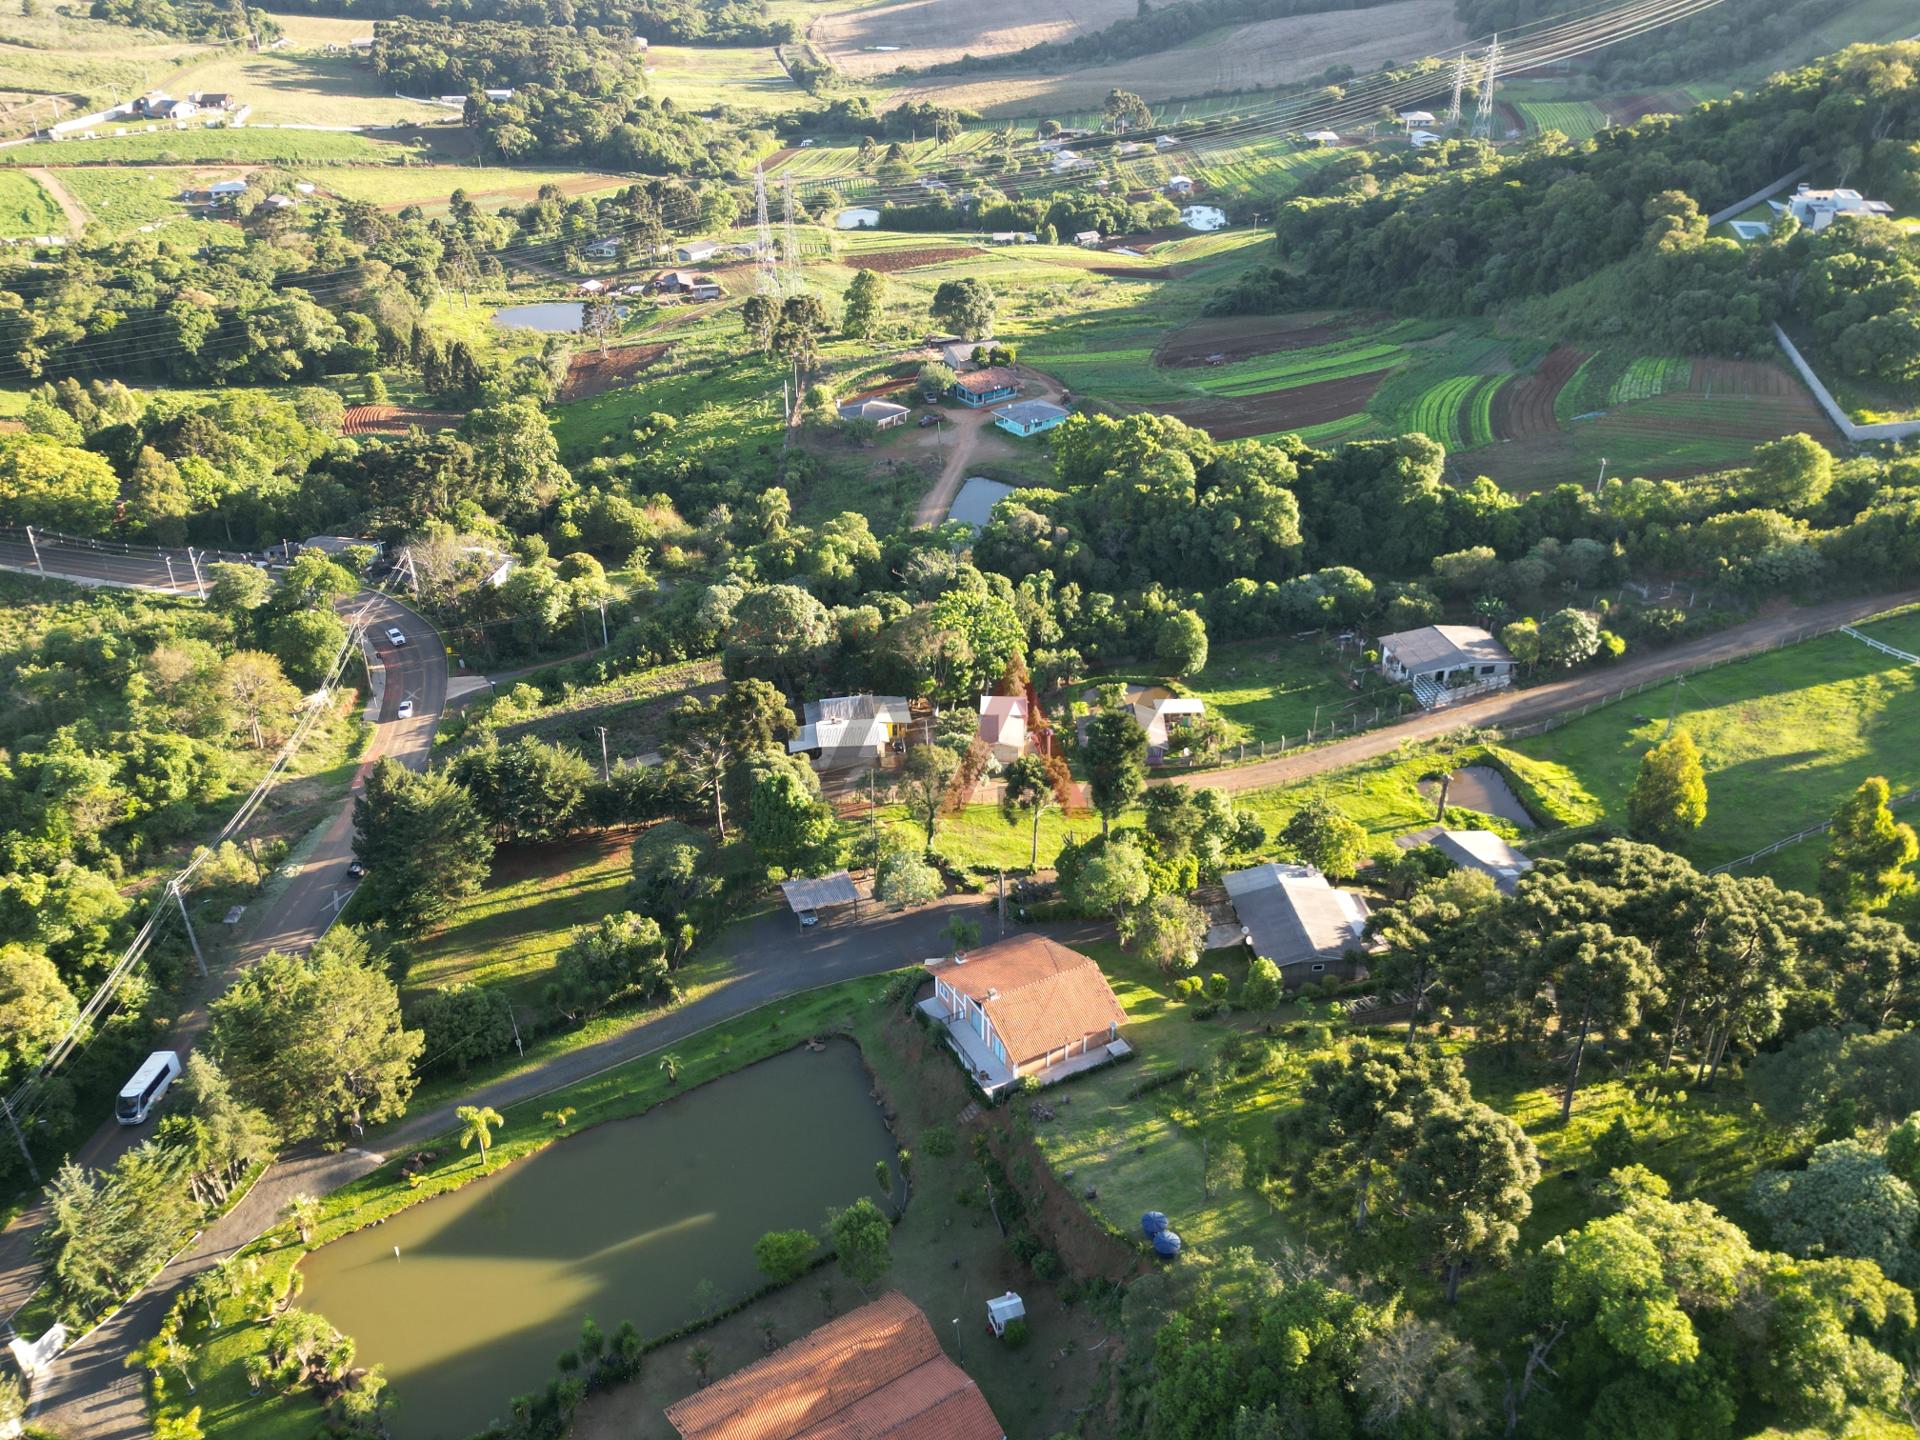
(144,1091)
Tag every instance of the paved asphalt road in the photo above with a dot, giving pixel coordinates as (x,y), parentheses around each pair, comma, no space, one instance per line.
(89,1393)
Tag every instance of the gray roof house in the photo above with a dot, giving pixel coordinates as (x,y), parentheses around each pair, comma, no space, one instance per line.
(850,729)
(1444,663)
(1292,916)
(882,414)
(1486,852)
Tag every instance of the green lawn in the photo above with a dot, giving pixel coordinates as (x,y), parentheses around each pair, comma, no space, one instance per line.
(1784,738)
(509,934)
(27,209)
(123,198)
(211,147)
(1269,689)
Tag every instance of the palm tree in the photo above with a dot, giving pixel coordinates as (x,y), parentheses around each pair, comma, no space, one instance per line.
(559,1117)
(477,1123)
(304,1211)
(700,1360)
(670,1066)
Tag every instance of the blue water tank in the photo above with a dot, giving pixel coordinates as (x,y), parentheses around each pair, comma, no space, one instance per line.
(1152,1223)
(1166,1244)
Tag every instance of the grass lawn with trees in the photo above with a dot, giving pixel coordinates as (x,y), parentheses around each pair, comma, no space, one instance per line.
(1784,738)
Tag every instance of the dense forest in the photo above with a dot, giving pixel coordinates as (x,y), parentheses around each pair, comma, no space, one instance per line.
(575,97)
(681,22)
(212,20)
(1457,229)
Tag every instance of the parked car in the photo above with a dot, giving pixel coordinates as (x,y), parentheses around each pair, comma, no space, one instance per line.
(356,869)
(396,636)
(406,710)
(926,420)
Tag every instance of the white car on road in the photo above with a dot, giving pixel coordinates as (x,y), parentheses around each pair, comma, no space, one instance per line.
(396,636)
(406,710)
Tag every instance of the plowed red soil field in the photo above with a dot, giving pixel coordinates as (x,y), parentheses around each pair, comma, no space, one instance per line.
(592,373)
(1628,108)
(1524,407)
(1242,337)
(1279,410)
(395,420)
(888,261)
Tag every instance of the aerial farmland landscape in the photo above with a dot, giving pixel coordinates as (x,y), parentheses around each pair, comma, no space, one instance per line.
(1131,720)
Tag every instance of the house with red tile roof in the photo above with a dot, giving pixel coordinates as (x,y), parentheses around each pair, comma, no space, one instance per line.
(876,1371)
(1025,1006)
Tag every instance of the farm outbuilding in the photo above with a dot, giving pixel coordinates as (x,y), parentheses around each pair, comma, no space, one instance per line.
(695,251)
(808,897)
(1323,137)
(881,414)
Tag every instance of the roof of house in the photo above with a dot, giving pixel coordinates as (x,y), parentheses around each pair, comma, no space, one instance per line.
(1032,412)
(985,382)
(1416,117)
(872,408)
(874,1372)
(819,892)
(1292,914)
(1486,851)
(1003,718)
(1443,645)
(1324,136)
(1038,993)
(849,722)
(697,247)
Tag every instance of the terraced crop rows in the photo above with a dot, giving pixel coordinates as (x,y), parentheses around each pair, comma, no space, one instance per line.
(1576,119)
(1292,369)
(1437,413)
(1648,376)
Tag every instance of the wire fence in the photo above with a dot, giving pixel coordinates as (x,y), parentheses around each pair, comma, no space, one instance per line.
(1906,797)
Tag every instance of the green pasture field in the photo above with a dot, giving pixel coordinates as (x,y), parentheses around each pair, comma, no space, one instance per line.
(488,186)
(705,77)
(1784,737)
(305,88)
(1267,689)
(203,146)
(88,61)
(123,198)
(27,209)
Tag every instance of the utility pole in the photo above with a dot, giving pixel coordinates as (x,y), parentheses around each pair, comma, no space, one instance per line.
(605,643)
(194,560)
(514,1020)
(186,919)
(1483,114)
(172,583)
(34,545)
(19,1139)
(606,769)
(1602,477)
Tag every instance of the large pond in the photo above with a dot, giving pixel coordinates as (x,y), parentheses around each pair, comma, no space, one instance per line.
(556,316)
(1482,788)
(633,1220)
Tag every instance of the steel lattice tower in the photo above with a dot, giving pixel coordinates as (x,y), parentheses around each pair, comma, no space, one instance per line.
(1483,113)
(1459,89)
(768,276)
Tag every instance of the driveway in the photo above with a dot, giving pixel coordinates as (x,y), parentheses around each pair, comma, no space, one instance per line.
(962,436)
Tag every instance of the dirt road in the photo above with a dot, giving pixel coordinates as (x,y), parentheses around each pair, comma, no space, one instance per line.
(963,431)
(1520,707)
(76,213)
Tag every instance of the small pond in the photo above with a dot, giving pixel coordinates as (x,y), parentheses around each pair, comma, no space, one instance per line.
(624,1222)
(1482,788)
(974,504)
(555,316)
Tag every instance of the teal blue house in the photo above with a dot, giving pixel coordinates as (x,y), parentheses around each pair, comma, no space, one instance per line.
(1029,417)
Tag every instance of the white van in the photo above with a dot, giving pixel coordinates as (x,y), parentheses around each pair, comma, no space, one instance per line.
(148,1085)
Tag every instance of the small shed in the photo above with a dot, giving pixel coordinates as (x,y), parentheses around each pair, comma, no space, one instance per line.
(1088,238)
(1004,1308)
(1180,184)
(807,897)
(696,251)
(1423,138)
(1413,118)
(1323,137)
(882,414)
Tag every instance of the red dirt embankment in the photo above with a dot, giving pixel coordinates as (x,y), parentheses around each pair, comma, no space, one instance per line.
(592,373)
(1524,407)
(889,261)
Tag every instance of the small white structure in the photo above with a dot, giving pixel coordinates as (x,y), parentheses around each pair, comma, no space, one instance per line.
(1003,1309)
(881,414)
(504,94)
(1204,218)
(608,249)
(1164,141)
(1486,852)
(857,217)
(1180,184)
(1323,137)
(34,1356)
(696,251)
(1088,238)
(303,187)
(227,189)
(1003,726)
(1423,138)
(1416,119)
(1066,160)
(1817,209)
(851,729)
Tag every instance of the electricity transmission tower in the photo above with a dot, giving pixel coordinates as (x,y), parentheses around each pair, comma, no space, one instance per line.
(768,276)
(1483,113)
(794,284)
(1459,89)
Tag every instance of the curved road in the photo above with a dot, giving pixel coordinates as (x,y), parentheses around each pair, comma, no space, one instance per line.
(88,1392)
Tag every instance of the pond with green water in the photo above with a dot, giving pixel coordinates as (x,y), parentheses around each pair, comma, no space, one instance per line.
(641,1219)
